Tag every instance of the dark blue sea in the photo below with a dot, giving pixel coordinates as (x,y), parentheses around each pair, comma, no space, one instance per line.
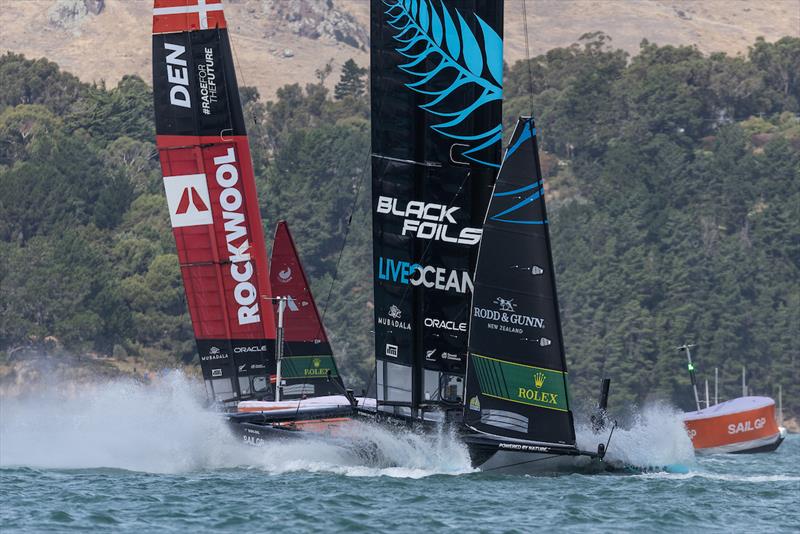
(124,457)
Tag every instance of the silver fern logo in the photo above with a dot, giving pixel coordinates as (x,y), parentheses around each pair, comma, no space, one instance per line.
(429,37)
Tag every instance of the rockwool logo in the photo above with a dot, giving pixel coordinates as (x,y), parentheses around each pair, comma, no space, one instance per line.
(188,200)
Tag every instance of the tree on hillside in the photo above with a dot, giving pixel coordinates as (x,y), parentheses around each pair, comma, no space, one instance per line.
(351,82)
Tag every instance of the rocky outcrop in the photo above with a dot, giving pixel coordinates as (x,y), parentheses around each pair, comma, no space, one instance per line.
(316,19)
(69,14)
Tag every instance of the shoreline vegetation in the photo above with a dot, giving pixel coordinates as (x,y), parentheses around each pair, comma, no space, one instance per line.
(673,178)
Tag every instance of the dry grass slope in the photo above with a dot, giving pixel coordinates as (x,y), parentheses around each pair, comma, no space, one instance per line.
(275,48)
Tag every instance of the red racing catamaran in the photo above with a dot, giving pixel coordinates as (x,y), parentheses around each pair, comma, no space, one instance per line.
(211,192)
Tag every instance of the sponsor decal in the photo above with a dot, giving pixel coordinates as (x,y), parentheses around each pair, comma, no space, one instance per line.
(431,353)
(427,220)
(393,319)
(537,394)
(747,426)
(308,367)
(475,404)
(544,342)
(251,348)
(440,278)
(285,275)
(505,304)
(315,369)
(241,268)
(188,200)
(536,270)
(214,353)
(177,75)
(207,81)
(391,350)
(522,447)
(243,368)
(253,440)
(525,384)
(442,324)
(505,319)
(216,372)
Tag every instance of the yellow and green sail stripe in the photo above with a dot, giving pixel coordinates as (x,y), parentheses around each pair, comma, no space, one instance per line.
(525,384)
(308,367)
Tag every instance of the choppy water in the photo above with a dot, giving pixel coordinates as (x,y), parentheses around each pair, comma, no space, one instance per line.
(131,458)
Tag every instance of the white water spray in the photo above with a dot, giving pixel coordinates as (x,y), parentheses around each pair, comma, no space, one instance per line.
(655,437)
(164,428)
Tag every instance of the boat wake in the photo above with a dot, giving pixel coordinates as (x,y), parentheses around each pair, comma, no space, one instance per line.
(164,428)
(654,437)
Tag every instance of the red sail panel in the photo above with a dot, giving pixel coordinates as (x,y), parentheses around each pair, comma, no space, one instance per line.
(288,279)
(211,194)
(308,368)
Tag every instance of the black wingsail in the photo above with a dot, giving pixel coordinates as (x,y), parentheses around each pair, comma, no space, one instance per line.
(516,374)
(436,87)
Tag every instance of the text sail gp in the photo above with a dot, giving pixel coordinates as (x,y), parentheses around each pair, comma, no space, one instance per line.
(436,88)
(210,190)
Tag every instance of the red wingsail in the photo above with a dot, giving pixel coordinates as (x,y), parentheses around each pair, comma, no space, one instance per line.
(211,193)
(308,356)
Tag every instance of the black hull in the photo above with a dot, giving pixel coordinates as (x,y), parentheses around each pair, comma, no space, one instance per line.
(487,453)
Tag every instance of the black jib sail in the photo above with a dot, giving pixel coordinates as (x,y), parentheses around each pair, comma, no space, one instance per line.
(516,374)
(436,86)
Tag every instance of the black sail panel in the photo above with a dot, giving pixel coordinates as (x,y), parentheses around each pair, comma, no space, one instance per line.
(436,90)
(516,373)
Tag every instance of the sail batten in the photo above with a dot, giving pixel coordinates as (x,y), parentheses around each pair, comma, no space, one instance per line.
(516,372)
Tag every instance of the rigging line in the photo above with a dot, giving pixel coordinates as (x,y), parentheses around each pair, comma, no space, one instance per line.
(366,167)
(238,68)
(522,463)
(353,209)
(528,56)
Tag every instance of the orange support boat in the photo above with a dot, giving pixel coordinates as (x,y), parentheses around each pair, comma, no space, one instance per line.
(741,425)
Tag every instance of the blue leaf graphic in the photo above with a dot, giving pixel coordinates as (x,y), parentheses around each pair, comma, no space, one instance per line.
(436,27)
(420,34)
(472,52)
(423,15)
(493,45)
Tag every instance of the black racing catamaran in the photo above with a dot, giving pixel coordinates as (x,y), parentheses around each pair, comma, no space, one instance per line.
(482,352)
(516,394)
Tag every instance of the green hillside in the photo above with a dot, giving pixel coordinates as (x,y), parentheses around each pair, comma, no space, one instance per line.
(673,182)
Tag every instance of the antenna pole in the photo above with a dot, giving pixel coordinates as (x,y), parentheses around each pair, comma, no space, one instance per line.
(707,399)
(744,382)
(716,382)
(780,405)
(686,347)
(279,347)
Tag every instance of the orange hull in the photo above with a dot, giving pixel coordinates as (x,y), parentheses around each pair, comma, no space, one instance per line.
(747,420)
